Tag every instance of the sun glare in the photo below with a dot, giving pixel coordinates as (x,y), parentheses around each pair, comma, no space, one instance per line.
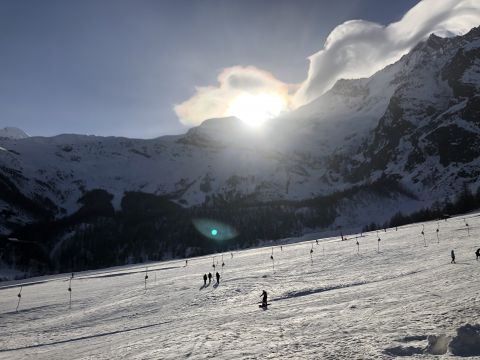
(254,110)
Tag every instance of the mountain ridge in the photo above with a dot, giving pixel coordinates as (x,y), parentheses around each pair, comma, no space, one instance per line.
(412,128)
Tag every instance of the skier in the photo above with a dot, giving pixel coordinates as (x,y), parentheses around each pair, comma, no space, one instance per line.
(186,263)
(264,300)
(210,277)
(453,257)
(218,277)
(477,253)
(204,279)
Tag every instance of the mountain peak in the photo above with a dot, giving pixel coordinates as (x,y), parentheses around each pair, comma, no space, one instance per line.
(13,133)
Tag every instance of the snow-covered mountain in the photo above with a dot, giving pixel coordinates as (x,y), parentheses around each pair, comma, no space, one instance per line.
(13,133)
(397,141)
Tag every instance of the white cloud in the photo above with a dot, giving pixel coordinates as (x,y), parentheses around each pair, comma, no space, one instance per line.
(214,101)
(360,48)
(354,49)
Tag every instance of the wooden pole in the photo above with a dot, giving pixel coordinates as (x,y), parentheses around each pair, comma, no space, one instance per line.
(19,298)
(146,277)
(423,234)
(70,293)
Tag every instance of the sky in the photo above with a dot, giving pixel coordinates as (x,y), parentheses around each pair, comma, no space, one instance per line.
(124,68)
(119,67)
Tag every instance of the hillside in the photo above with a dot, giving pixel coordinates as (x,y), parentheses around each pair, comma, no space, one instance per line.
(405,300)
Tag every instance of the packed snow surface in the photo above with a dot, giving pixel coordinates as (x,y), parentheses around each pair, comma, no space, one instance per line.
(406,300)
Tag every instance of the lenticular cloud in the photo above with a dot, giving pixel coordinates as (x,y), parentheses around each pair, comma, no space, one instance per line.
(353,50)
(360,48)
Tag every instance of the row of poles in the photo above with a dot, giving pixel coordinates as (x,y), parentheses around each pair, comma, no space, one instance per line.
(378,241)
(214,265)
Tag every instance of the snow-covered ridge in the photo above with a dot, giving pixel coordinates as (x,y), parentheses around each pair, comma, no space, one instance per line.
(416,121)
(13,133)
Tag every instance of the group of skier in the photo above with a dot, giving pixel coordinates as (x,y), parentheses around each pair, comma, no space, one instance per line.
(264,295)
(217,275)
(209,277)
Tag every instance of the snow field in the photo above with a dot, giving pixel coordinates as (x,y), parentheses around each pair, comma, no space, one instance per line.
(342,305)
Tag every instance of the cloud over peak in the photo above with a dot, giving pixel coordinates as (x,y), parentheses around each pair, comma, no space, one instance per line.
(359,48)
(354,49)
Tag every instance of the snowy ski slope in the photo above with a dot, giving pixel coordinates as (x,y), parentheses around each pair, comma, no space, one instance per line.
(336,304)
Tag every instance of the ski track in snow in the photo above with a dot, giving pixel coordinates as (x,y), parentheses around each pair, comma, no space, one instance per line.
(344,305)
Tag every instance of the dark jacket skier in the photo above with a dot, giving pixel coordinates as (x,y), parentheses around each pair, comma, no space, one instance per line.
(453,257)
(204,279)
(264,300)
(210,277)
(477,253)
(218,277)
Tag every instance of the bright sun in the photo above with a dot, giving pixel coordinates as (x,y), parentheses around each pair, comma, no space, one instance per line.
(254,110)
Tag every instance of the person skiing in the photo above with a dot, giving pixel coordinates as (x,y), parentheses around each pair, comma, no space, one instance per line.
(477,253)
(218,277)
(264,300)
(453,257)
(210,277)
(204,279)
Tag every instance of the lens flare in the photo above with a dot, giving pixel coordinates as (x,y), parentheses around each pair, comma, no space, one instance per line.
(214,229)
